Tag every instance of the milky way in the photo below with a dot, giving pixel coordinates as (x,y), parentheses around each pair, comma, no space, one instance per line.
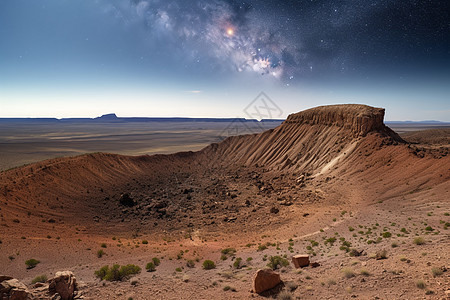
(291,39)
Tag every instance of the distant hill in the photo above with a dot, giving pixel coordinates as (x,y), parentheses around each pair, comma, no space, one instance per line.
(113,118)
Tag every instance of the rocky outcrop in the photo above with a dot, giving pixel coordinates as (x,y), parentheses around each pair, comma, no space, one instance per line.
(64,284)
(264,280)
(13,289)
(357,118)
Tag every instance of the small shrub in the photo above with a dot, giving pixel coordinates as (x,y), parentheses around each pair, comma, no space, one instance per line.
(145,242)
(190,263)
(421,284)
(387,234)
(348,273)
(394,245)
(330,240)
(262,247)
(117,272)
(419,240)
(350,228)
(150,267)
(226,288)
(291,286)
(156,261)
(228,251)
(41,278)
(437,271)
(285,295)
(237,263)
(364,272)
(382,254)
(31,263)
(277,261)
(429,228)
(178,269)
(100,253)
(103,245)
(209,264)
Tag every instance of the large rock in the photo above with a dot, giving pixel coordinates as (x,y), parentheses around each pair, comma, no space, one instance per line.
(265,280)
(13,289)
(64,284)
(300,260)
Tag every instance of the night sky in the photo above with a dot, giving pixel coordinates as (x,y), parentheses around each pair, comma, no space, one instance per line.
(61,58)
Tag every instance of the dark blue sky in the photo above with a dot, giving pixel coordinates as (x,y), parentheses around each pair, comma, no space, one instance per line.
(211,58)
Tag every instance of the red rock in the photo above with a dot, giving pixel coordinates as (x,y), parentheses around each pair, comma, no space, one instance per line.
(264,280)
(64,283)
(300,260)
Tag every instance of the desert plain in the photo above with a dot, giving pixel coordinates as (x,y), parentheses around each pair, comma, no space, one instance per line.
(369,204)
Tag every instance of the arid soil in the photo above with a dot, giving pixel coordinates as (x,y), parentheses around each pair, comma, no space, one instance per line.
(333,182)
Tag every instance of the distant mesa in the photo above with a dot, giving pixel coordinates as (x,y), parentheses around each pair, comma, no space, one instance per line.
(107,117)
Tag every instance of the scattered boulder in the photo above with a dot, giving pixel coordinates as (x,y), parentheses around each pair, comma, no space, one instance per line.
(126,200)
(274,210)
(230,219)
(64,284)
(13,289)
(300,260)
(264,280)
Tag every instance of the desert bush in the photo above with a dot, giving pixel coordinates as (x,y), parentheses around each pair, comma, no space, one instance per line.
(276,262)
(156,261)
(41,278)
(285,295)
(382,254)
(421,284)
(150,267)
(31,263)
(100,253)
(262,247)
(117,272)
(437,271)
(394,245)
(330,240)
(429,228)
(237,263)
(291,286)
(190,263)
(348,273)
(387,234)
(103,245)
(228,251)
(209,264)
(145,242)
(178,269)
(419,240)
(364,272)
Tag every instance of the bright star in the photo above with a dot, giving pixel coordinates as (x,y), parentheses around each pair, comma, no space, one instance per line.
(230,31)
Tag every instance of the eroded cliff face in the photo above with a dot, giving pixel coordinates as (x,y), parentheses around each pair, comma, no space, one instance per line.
(358,119)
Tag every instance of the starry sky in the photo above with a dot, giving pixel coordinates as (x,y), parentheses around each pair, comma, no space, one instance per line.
(211,58)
